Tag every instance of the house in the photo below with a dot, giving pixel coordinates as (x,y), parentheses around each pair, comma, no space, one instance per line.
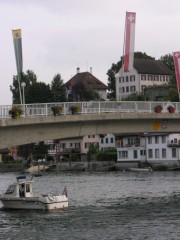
(82,82)
(145,73)
(156,149)
(107,141)
(62,148)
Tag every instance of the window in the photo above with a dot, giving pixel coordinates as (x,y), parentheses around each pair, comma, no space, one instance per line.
(102,140)
(150,140)
(150,153)
(156,139)
(123,89)
(127,79)
(132,89)
(132,78)
(163,139)
(127,89)
(27,188)
(107,140)
(112,140)
(135,154)
(156,78)
(163,152)
(123,154)
(174,153)
(143,77)
(156,153)
(150,77)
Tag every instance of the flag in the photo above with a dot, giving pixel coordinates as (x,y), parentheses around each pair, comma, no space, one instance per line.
(18,49)
(65,191)
(129,41)
(176,57)
(18,55)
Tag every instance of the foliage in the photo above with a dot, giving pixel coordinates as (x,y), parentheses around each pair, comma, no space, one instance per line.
(173,95)
(38,92)
(15,112)
(168,60)
(115,68)
(58,89)
(135,97)
(40,148)
(90,95)
(108,155)
(75,109)
(80,93)
(28,78)
(57,109)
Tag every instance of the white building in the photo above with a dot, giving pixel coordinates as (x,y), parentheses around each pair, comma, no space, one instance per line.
(156,149)
(146,72)
(107,141)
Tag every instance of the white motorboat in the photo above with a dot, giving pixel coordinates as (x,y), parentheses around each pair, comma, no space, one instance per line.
(20,195)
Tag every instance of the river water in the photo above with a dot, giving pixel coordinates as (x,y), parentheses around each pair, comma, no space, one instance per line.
(114,205)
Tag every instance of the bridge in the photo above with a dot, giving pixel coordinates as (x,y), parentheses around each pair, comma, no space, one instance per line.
(38,123)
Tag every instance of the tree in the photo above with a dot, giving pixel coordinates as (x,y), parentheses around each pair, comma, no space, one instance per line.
(28,78)
(39,92)
(58,89)
(115,68)
(168,60)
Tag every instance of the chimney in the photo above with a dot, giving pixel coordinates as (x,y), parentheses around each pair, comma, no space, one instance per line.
(91,70)
(78,70)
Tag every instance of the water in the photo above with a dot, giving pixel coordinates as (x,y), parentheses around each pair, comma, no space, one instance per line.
(119,205)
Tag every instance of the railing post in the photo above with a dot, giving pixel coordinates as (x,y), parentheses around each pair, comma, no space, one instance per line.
(46,109)
(64,106)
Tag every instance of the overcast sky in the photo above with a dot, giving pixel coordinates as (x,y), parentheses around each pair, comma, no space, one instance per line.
(60,35)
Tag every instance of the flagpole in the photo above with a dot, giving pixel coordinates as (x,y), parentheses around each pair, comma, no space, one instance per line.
(176,55)
(123,56)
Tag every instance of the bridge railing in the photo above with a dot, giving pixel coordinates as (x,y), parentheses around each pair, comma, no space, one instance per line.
(91,107)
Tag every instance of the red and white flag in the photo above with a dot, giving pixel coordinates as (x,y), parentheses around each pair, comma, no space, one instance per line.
(129,41)
(176,57)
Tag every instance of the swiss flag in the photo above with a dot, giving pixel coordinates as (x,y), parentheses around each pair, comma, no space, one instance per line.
(176,57)
(129,41)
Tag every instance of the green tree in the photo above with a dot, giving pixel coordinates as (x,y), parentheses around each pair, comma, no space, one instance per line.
(58,89)
(168,60)
(115,68)
(38,92)
(28,78)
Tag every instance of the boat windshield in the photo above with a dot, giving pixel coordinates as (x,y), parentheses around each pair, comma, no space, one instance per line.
(10,189)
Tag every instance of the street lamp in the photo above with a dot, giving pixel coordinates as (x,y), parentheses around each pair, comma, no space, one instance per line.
(23,84)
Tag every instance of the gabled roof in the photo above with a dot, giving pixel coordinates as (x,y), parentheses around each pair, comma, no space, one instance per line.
(87,80)
(151,66)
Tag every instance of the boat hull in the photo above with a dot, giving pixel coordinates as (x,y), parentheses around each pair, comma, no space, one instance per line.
(33,204)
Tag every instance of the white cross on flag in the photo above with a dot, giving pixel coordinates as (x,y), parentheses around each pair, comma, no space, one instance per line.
(129,41)
(176,57)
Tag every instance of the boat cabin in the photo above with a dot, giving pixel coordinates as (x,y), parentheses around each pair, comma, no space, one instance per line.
(20,189)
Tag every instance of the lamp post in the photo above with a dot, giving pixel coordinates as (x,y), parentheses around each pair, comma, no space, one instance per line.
(23,84)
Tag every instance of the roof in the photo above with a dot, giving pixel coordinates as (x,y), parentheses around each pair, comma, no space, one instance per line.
(87,80)
(151,66)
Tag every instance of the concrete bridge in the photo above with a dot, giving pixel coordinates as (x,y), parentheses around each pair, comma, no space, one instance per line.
(35,128)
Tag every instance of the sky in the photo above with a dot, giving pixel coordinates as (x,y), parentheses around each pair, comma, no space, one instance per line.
(60,35)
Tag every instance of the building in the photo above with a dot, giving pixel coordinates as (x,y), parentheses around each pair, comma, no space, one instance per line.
(145,73)
(77,86)
(158,149)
